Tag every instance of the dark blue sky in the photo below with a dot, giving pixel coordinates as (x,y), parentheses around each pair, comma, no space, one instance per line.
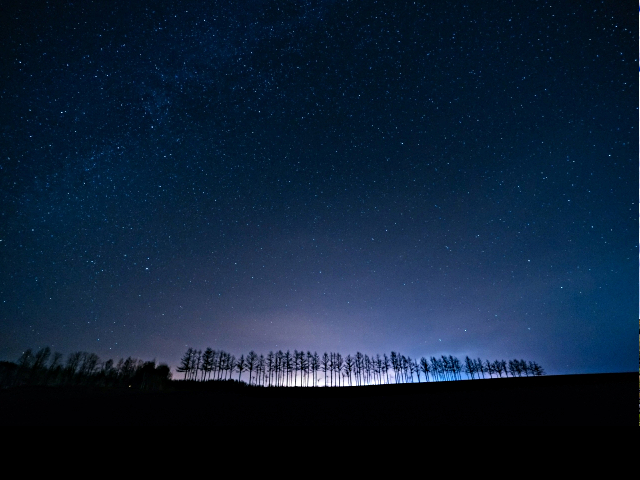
(331,176)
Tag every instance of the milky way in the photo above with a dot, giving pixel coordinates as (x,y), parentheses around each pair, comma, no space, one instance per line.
(329,176)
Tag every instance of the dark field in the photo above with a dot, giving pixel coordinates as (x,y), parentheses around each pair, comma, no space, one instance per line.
(602,399)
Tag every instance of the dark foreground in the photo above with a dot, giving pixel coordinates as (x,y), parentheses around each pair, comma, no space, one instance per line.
(603,399)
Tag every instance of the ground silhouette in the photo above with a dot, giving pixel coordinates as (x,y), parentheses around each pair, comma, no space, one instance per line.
(597,399)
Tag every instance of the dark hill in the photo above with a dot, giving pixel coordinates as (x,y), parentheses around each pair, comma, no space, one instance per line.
(598,399)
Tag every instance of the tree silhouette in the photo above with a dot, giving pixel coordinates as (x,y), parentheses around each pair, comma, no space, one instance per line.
(73,363)
(207,362)
(315,366)
(424,366)
(240,367)
(514,368)
(386,365)
(270,358)
(324,365)
(338,362)
(252,358)
(260,369)
(284,369)
(348,365)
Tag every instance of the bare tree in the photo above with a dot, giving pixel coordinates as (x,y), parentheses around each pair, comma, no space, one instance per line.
(386,365)
(270,360)
(514,368)
(469,367)
(348,365)
(260,369)
(281,369)
(325,366)
(338,362)
(252,358)
(240,368)
(73,362)
(207,362)
(424,366)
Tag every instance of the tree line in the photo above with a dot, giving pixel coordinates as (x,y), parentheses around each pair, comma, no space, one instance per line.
(298,368)
(82,368)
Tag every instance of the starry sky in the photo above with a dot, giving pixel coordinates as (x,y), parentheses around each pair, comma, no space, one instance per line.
(430,178)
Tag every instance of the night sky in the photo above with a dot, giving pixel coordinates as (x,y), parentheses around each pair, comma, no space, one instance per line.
(340,176)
